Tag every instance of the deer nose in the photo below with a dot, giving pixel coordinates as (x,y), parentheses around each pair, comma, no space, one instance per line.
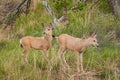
(97,45)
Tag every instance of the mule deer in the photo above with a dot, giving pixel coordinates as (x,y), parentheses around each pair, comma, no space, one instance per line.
(75,44)
(37,43)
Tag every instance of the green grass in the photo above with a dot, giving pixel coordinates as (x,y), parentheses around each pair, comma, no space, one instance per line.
(105,59)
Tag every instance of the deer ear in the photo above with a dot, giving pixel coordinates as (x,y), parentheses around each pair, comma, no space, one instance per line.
(51,25)
(93,34)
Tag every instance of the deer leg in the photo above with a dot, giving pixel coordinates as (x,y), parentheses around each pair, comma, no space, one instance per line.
(45,52)
(62,55)
(46,56)
(78,62)
(24,55)
(81,62)
(61,51)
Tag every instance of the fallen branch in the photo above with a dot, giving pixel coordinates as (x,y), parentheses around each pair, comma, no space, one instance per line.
(68,75)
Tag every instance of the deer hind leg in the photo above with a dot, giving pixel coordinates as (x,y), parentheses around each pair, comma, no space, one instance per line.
(25,53)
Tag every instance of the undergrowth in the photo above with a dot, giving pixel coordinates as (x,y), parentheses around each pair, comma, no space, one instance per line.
(105,59)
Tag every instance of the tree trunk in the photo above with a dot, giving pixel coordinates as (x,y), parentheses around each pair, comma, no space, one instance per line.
(115,7)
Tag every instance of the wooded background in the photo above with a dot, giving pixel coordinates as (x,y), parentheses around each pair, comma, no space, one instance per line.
(9,10)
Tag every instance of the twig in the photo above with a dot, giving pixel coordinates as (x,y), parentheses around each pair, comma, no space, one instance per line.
(84,74)
(68,75)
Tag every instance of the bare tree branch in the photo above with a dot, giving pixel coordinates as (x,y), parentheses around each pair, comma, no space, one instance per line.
(57,22)
(13,13)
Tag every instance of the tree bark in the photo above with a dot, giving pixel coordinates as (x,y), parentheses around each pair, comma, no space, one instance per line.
(11,12)
(115,7)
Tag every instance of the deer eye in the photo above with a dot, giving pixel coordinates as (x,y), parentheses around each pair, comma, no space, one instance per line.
(94,41)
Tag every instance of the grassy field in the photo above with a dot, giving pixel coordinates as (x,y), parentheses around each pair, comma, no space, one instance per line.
(105,60)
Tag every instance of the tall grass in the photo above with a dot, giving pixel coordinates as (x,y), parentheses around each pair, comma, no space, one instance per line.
(105,59)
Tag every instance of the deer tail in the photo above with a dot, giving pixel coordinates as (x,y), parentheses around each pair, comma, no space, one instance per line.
(21,43)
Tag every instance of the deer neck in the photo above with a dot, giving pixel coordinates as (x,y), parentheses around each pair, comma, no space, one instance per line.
(86,43)
(48,37)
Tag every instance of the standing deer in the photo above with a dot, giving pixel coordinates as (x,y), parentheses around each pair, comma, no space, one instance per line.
(76,44)
(37,43)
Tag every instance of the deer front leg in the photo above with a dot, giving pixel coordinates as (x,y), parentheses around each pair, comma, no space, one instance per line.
(45,52)
(61,52)
(61,56)
(81,62)
(46,56)
(78,61)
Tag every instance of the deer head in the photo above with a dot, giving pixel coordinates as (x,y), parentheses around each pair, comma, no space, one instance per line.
(93,40)
(47,29)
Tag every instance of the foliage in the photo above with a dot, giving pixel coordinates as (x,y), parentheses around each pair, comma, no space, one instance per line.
(105,59)
(104,7)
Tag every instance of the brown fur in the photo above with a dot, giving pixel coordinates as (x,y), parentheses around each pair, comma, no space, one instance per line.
(75,44)
(37,43)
